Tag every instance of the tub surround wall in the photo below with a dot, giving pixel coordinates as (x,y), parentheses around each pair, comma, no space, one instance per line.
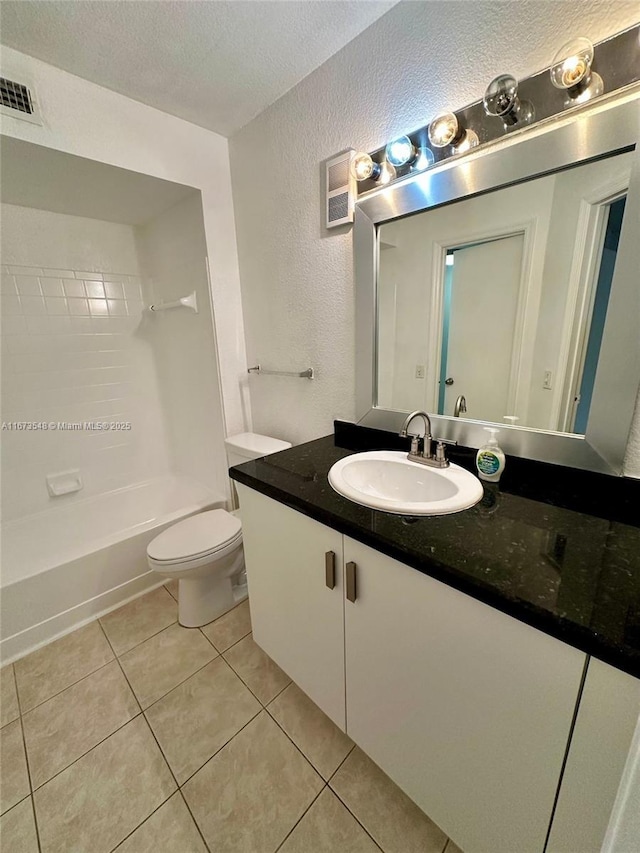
(173,252)
(72,305)
(297,278)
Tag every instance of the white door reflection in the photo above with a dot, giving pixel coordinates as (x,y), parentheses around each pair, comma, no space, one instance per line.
(479,341)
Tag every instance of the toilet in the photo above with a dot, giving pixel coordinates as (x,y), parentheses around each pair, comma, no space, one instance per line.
(204,552)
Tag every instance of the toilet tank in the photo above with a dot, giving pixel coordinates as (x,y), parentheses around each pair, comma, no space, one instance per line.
(251,445)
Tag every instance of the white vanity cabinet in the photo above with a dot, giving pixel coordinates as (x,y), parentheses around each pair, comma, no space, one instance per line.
(468,710)
(601,742)
(296,617)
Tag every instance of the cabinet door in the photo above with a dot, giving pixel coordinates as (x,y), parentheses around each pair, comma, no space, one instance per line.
(465,708)
(600,745)
(297,619)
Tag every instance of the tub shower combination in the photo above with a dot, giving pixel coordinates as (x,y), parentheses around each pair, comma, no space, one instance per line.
(64,566)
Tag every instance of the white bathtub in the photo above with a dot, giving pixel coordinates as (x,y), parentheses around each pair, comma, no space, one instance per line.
(64,566)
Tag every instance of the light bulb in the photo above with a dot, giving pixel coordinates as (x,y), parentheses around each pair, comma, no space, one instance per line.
(401,151)
(571,71)
(501,99)
(363,167)
(443,130)
(469,140)
(387,172)
(424,159)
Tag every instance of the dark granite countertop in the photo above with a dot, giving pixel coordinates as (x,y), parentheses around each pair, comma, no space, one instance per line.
(556,548)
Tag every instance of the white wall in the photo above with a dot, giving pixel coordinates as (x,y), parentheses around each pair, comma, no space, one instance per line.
(71,309)
(173,254)
(90,121)
(297,279)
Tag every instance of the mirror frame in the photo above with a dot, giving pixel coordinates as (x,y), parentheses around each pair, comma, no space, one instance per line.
(580,135)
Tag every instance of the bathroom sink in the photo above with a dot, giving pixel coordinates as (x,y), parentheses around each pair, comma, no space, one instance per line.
(386,480)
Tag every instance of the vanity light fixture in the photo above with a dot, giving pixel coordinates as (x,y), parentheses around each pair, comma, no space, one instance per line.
(501,100)
(364,167)
(424,159)
(445,129)
(387,172)
(401,151)
(571,71)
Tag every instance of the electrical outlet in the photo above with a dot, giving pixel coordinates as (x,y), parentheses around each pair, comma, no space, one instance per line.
(547,382)
(421,371)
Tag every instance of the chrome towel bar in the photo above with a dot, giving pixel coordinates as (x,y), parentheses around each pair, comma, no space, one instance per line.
(303,374)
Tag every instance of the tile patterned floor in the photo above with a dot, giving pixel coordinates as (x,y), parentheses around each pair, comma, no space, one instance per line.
(136,735)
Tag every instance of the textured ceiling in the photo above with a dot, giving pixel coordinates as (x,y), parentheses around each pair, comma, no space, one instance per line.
(215,63)
(34,176)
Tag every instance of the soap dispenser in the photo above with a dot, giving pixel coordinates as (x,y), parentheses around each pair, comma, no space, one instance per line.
(490,458)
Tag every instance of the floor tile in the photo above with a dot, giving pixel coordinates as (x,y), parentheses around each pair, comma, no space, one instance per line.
(169,830)
(158,665)
(311,730)
(172,588)
(101,702)
(328,827)
(140,619)
(452,848)
(98,801)
(261,675)
(18,829)
(251,794)
(14,778)
(196,719)
(230,627)
(388,815)
(57,666)
(9,710)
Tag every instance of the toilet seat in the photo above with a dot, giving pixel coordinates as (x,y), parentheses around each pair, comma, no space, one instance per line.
(205,536)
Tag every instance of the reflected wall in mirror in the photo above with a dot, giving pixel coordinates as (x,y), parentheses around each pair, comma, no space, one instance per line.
(493,308)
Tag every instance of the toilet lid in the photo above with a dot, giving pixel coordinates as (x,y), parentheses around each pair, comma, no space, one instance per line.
(195,536)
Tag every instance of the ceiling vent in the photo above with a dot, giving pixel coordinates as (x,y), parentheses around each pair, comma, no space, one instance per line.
(17,100)
(341,190)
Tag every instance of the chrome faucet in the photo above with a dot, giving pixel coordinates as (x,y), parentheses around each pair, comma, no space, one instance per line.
(460,406)
(425,456)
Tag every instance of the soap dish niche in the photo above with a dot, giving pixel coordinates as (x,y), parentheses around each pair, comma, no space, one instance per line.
(64,483)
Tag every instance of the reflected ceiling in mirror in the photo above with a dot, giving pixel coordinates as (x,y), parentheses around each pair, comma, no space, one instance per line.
(494,308)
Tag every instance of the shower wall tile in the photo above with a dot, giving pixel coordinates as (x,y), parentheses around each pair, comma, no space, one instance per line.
(75,350)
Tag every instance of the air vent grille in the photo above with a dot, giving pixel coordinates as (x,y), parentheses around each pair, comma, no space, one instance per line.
(338,207)
(15,96)
(340,190)
(338,175)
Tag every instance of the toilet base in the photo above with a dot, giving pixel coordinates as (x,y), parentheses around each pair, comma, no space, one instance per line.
(200,600)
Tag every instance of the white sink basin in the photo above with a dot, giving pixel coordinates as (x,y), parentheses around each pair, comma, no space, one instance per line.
(388,481)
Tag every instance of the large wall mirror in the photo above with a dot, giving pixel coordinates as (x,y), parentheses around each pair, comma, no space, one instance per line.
(504,288)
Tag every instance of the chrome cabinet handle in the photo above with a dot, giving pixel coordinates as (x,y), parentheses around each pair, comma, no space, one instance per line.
(351,581)
(330,569)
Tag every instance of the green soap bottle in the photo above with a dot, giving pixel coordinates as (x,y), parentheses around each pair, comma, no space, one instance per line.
(490,458)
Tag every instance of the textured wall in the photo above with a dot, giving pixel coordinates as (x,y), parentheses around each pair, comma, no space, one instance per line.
(297,279)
